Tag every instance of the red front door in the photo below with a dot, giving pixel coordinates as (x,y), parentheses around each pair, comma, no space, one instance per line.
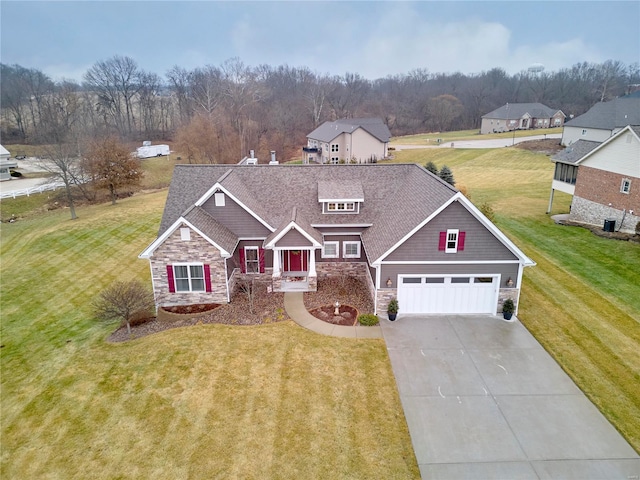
(295,260)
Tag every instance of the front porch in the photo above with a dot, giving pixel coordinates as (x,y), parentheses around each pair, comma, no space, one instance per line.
(294,270)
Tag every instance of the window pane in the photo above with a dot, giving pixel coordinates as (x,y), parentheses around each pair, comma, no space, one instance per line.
(412,280)
(182,284)
(460,280)
(197,285)
(180,271)
(434,280)
(483,280)
(251,254)
(196,271)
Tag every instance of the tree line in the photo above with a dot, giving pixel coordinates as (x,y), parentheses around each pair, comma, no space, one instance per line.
(216,114)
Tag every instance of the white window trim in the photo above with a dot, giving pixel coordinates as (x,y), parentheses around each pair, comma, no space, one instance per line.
(626,181)
(454,249)
(219,199)
(188,265)
(246,259)
(348,207)
(344,249)
(336,255)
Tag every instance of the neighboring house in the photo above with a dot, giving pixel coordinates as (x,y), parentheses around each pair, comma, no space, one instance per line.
(603,120)
(6,164)
(604,179)
(521,116)
(401,229)
(350,140)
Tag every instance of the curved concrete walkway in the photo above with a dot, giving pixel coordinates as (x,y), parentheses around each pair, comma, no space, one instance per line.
(294,306)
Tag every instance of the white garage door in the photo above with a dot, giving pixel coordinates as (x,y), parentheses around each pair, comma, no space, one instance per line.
(448,294)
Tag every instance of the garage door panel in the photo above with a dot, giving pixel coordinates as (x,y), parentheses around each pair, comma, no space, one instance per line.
(446,295)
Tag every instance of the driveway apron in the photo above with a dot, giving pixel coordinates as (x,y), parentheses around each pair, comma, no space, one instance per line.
(483,399)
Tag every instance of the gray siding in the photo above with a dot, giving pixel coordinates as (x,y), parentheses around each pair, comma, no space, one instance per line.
(480,244)
(506,270)
(293,238)
(235,218)
(342,238)
(234,261)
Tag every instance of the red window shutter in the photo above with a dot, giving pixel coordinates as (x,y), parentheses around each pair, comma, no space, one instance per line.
(243,266)
(461,236)
(443,241)
(172,283)
(261,259)
(207,277)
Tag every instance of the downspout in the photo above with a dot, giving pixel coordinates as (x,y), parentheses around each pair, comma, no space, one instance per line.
(624,214)
(226,279)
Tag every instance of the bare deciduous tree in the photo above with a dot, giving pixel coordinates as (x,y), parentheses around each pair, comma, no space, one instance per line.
(122,300)
(111,166)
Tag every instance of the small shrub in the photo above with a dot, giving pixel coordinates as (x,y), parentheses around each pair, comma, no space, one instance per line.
(638,228)
(508,306)
(138,318)
(487,211)
(447,175)
(431,167)
(368,319)
(393,306)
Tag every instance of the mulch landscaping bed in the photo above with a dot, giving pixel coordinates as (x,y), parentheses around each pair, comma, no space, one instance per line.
(347,315)
(267,308)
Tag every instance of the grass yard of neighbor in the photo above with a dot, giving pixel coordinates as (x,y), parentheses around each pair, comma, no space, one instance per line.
(272,401)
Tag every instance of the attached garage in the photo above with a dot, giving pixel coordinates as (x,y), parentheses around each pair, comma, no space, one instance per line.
(448,294)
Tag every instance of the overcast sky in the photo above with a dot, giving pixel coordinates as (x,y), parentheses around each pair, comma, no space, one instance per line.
(374,39)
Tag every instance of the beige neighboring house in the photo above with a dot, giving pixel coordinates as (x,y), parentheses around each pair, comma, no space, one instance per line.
(349,140)
(521,116)
(604,180)
(6,164)
(603,120)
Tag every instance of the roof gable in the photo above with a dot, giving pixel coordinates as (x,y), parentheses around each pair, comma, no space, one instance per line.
(479,216)
(205,226)
(330,130)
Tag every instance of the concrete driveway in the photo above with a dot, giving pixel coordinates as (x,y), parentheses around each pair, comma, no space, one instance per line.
(484,400)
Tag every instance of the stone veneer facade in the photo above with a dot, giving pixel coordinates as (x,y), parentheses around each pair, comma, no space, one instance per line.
(175,250)
(597,197)
(593,213)
(351,269)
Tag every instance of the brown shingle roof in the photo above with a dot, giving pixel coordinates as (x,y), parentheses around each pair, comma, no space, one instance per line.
(397,197)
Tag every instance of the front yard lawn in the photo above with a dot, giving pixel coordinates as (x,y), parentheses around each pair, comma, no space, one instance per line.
(208,401)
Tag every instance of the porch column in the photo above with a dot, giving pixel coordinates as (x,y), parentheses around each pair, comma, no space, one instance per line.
(312,263)
(276,263)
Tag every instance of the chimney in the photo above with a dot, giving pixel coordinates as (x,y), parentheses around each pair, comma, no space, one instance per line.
(252,154)
(273,158)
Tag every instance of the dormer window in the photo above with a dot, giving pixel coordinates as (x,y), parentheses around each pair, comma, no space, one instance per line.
(340,196)
(341,207)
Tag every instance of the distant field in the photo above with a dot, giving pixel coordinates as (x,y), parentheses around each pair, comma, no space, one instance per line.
(432,138)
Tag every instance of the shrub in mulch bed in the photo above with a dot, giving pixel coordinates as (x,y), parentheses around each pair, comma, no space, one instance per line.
(368,319)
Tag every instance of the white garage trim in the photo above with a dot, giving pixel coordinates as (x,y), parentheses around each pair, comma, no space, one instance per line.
(449,294)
